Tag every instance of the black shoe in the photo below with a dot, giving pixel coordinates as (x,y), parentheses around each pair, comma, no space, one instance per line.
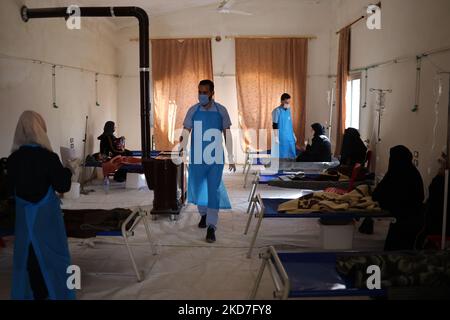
(211,235)
(202,223)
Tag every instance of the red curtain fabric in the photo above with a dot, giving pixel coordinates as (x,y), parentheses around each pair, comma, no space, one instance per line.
(265,69)
(177,68)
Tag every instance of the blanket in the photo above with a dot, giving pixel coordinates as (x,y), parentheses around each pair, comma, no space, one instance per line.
(116,163)
(422,269)
(357,200)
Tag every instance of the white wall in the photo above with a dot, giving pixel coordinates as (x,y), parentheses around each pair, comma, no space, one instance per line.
(409,27)
(281,17)
(25,85)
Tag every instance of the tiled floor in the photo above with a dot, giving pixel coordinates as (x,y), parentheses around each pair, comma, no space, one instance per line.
(186,267)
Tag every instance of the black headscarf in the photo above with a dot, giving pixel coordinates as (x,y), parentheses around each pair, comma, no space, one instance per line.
(108,130)
(401,191)
(320,149)
(353,148)
(319,130)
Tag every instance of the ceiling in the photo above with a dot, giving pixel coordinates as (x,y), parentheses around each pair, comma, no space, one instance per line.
(153,7)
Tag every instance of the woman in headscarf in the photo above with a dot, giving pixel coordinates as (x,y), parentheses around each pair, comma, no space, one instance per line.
(110,146)
(320,149)
(353,148)
(401,192)
(41,253)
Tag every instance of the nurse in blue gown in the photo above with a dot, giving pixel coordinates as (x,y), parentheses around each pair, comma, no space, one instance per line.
(208,123)
(284,139)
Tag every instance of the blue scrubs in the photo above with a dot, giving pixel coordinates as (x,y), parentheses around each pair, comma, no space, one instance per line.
(205,184)
(286,148)
(41,225)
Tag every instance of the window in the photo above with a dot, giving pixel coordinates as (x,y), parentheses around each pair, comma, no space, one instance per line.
(353,100)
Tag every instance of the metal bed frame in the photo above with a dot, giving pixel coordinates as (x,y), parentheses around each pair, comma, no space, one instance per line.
(258,209)
(126,233)
(285,286)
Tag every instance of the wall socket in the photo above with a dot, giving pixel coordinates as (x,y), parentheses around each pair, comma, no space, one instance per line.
(72,143)
(416,158)
(416,155)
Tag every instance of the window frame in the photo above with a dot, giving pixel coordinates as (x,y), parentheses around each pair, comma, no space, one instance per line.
(352,77)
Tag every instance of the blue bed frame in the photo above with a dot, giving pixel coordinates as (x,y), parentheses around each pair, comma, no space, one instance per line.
(268,208)
(308,275)
(266,179)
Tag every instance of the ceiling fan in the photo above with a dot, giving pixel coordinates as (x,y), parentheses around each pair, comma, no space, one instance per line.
(225,7)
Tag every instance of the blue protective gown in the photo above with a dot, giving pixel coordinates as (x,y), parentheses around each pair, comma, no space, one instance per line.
(286,148)
(205,183)
(41,224)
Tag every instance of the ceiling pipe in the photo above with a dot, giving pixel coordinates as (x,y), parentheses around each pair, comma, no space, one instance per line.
(144,67)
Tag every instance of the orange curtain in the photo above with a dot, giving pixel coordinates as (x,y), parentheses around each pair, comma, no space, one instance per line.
(265,69)
(177,68)
(343,70)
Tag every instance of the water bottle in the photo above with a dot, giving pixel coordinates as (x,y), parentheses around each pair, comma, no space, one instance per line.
(106,184)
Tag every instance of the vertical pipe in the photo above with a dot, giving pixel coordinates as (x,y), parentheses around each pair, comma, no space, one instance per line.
(144,56)
(448,126)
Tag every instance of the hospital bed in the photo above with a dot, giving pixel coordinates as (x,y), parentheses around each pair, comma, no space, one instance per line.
(255,158)
(268,209)
(287,183)
(298,275)
(125,230)
(308,275)
(309,167)
(136,168)
(284,179)
(131,168)
(261,179)
(265,163)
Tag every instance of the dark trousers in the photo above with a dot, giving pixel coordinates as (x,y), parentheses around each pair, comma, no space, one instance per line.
(37,281)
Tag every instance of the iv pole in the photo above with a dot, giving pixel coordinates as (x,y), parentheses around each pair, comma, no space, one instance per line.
(381,98)
(83,168)
(332,104)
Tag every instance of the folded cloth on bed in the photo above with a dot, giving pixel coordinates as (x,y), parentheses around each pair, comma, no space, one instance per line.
(422,269)
(357,200)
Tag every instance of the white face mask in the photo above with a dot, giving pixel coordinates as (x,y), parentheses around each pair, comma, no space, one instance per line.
(287,106)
